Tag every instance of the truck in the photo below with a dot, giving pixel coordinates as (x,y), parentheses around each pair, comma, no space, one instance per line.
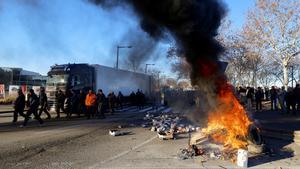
(93,77)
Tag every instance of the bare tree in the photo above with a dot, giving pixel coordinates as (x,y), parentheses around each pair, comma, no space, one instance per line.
(273,27)
(178,63)
(171,83)
(184,84)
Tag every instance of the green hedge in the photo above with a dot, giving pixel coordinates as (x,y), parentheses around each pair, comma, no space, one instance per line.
(8,100)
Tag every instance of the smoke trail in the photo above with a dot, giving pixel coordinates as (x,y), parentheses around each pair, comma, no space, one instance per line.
(193,23)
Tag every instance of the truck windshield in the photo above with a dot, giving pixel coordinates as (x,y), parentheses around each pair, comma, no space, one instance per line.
(57,79)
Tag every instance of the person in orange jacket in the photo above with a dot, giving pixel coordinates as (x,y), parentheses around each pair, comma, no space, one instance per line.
(90,102)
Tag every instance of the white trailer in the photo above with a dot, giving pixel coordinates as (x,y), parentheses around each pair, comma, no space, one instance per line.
(111,79)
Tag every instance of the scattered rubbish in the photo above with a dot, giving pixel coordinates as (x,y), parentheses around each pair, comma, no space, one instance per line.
(118,132)
(145,125)
(165,135)
(153,129)
(186,154)
(190,152)
(120,127)
(167,125)
(256,149)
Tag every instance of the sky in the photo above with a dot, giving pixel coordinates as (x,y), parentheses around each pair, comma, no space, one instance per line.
(237,11)
(35,34)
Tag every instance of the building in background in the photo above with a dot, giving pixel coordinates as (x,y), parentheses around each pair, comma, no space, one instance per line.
(19,76)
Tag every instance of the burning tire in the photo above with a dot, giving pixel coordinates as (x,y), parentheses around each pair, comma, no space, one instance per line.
(254,135)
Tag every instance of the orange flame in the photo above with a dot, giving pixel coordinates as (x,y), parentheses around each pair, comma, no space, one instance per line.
(229,123)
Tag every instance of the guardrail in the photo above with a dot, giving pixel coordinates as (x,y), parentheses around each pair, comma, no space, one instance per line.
(7,111)
(10,111)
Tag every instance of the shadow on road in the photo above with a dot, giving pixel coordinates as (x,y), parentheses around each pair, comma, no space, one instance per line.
(279,132)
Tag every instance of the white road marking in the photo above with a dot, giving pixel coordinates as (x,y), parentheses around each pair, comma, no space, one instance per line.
(98,165)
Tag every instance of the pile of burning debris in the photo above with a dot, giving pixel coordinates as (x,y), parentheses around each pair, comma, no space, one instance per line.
(168,125)
(203,144)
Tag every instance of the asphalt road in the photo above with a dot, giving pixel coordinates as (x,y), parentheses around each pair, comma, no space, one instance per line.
(80,143)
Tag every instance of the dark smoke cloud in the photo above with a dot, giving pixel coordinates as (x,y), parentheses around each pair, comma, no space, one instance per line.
(192,23)
(143,48)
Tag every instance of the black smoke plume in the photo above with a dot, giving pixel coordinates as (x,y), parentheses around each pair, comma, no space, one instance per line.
(192,23)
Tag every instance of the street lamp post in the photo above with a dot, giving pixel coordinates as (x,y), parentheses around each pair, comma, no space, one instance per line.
(147,64)
(119,47)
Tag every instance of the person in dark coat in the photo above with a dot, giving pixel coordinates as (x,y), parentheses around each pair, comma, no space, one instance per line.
(81,101)
(44,103)
(120,99)
(267,91)
(60,98)
(281,99)
(132,98)
(111,101)
(100,104)
(68,103)
(290,101)
(297,96)
(33,102)
(274,95)
(139,99)
(19,106)
(258,98)
(249,96)
(74,104)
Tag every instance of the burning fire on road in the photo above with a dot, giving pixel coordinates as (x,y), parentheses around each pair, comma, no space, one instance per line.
(193,24)
(228,123)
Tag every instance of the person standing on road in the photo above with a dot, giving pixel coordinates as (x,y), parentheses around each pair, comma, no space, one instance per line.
(249,96)
(44,103)
(68,103)
(19,106)
(258,98)
(60,101)
(100,103)
(81,106)
(111,101)
(90,102)
(290,101)
(132,98)
(139,98)
(120,100)
(74,104)
(281,99)
(297,96)
(33,102)
(266,93)
(274,95)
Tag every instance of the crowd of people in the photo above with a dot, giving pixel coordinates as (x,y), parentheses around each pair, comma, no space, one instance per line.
(286,101)
(91,104)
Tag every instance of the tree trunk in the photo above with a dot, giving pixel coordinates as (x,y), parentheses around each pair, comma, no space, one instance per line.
(285,74)
(254,82)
